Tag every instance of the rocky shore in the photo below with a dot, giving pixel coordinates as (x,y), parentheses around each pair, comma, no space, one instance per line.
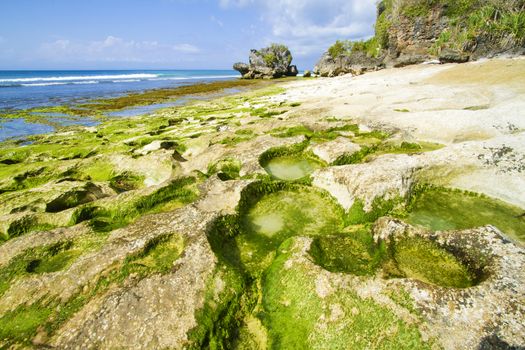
(378,211)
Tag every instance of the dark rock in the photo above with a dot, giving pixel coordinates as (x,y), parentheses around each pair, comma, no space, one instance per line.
(452,56)
(270,62)
(292,71)
(307,74)
(493,342)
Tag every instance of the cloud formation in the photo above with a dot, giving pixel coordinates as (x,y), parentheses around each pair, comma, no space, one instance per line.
(115,49)
(310,26)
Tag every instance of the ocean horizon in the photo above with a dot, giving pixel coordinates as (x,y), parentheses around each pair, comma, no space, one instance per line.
(24,89)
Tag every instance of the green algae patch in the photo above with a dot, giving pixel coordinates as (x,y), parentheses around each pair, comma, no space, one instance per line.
(126,181)
(290,212)
(46,315)
(226,169)
(73,198)
(24,225)
(157,256)
(444,209)
(160,95)
(21,324)
(355,253)
(46,259)
(300,315)
(273,216)
(380,207)
(424,260)
(174,195)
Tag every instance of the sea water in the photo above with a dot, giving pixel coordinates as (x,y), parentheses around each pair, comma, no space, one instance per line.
(32,89)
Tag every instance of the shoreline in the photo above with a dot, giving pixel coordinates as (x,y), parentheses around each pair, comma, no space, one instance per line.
(384,202)
(129,105)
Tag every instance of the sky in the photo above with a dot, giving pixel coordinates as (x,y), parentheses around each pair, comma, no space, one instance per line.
(172,34)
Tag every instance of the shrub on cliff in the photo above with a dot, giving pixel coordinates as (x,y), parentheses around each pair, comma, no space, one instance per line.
(411,31)
(273,61)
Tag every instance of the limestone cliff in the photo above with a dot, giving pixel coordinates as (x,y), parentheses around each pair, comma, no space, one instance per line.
(410,32)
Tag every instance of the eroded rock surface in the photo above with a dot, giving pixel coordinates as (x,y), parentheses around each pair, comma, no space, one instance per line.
(188,241)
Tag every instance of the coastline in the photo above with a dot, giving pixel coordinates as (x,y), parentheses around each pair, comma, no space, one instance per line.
(92,112)
(305,206)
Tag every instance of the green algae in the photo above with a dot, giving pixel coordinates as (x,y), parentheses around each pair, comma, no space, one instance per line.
(161,95)
(355,253)
(226,169)
(46,259)
(270,215)
(126,181)
(445,209)
(20,325)
(24,225)
(70,199)
(177,193)
(298,317)
(380,207)
(424,260)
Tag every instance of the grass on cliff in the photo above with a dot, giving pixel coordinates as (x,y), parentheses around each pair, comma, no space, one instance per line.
(470,21)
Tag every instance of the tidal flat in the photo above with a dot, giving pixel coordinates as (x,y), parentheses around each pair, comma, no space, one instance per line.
(293,213)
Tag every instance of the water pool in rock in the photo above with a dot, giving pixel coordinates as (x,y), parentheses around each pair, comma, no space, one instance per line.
(279,215)
(440,210)
(290,168)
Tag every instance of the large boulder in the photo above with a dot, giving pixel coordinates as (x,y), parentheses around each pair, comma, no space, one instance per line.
(269,62)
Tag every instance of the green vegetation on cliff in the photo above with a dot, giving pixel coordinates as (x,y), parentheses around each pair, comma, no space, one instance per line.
(469,25)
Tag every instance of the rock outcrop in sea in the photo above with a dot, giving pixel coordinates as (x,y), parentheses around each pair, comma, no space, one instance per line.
(267,63)
(409,32)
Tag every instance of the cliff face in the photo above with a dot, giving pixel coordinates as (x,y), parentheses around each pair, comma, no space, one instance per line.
(410,32)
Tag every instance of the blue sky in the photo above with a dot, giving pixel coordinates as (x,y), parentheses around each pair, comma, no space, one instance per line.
(171,34)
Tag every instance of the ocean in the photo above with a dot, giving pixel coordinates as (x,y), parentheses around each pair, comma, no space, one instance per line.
(32,89)
(29,89)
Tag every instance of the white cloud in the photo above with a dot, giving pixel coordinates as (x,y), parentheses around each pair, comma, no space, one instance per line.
(115,49)
(310,26)
(236,3)
(216,21)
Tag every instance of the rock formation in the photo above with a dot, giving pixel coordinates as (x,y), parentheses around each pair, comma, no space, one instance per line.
(409,32)
(270,62)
